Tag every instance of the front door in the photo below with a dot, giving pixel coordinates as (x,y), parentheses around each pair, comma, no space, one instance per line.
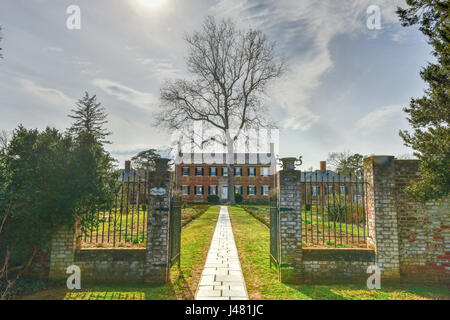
(224,192)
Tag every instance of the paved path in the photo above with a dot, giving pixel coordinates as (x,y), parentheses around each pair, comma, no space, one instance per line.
(222,276)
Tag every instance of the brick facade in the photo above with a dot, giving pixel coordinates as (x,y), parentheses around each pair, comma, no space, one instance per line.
(206,180)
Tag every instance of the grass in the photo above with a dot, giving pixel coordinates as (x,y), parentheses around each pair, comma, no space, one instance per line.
(195,242)
(253,239)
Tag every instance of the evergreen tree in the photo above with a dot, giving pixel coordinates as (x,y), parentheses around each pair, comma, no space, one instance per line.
(94,166)
(429,115)
(145,160)
(90,119)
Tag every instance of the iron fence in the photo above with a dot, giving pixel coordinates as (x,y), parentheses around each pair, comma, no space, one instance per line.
(175,232)
(274,233)
(123,221)
(333,210)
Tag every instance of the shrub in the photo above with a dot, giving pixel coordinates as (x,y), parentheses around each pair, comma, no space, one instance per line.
(213,199)
(340,211)
(238,198)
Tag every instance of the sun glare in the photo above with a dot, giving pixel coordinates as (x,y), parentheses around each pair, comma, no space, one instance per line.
(152,3)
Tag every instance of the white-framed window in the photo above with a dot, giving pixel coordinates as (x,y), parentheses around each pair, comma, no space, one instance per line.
(237,172)
(199,190)
(265,172)
(251,190)
(238,190)
(185,190)
(252,172)
(199,172)
(185,171)
(213,172)
(265,191)
(315,191)
(225,172)
(212,190)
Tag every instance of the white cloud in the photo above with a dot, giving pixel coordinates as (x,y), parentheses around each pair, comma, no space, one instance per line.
(143,100)
(48,95)
(380,118)
(54,49)
(161,69)
(309,26)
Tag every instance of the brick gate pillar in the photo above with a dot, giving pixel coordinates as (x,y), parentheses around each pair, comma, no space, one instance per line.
(289,204)
(379,175)
(157,257)
(62,251)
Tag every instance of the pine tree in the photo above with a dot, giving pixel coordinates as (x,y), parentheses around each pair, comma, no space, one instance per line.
(90,119)
(429,115)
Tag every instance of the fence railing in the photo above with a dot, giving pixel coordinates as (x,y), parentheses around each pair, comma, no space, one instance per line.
(123,222)
(333,210)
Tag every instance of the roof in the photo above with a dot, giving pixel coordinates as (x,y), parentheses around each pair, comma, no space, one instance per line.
(129,174)
(327,175)
(220,158)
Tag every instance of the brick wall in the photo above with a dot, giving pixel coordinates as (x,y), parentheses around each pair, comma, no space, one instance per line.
(408,240)
(149,265)
(336,265)
(62,253)
(111,265)
(289,204)
(382,214)
(424,231)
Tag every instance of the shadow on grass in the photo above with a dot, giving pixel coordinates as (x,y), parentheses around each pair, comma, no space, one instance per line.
(107,292)
(187,292)
(317,292)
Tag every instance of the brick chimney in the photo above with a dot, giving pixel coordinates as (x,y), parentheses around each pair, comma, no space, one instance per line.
(323,166)
(128,165)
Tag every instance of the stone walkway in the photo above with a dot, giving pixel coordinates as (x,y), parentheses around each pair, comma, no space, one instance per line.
(222,277)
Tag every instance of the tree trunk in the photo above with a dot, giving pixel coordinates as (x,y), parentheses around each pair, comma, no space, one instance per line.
(230,166)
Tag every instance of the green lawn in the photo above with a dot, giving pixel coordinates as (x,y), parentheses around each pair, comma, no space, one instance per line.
(195,242)
(253,239)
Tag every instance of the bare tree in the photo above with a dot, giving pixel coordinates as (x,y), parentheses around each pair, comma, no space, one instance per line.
(230,71)
(347,163)
(4,139)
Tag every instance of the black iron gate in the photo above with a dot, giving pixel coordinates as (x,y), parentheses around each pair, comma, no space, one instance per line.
(333,210)
(274,233)
(175,232)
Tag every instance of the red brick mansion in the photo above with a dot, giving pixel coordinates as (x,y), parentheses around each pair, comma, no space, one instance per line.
(199,175)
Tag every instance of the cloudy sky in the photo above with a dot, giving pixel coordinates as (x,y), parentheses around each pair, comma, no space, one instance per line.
(344,90)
